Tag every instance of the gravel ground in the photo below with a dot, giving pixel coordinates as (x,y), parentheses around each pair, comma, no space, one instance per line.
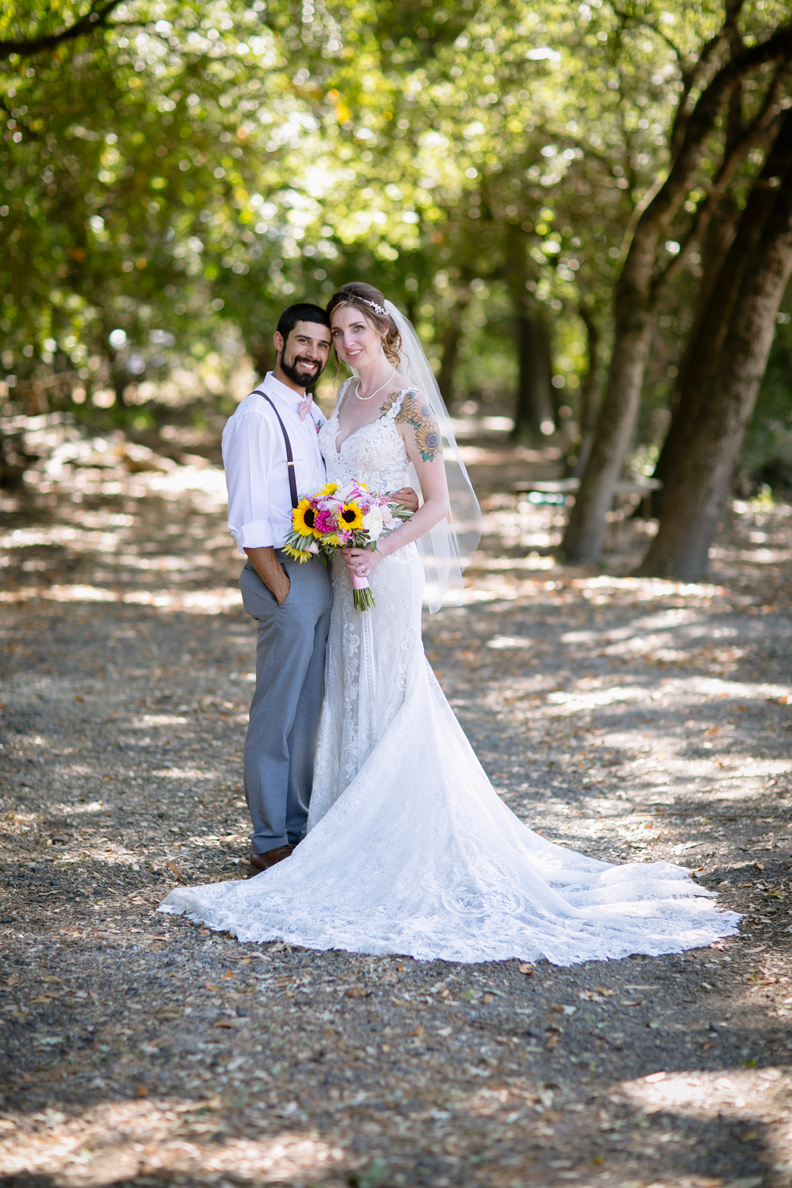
(633,719)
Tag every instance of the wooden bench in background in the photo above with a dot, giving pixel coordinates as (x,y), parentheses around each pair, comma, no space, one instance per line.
(562,488)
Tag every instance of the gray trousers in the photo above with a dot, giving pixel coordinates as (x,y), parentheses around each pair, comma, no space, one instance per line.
(284,715)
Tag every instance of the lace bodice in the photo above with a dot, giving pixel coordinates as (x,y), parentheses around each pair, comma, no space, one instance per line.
(375,454)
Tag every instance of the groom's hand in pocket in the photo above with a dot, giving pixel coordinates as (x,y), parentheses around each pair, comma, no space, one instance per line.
(408,497)
(267,565)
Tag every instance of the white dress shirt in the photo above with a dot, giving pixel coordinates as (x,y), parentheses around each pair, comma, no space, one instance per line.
(254,457)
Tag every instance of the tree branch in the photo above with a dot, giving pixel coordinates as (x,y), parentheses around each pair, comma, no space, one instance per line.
(671,194)
(94,19)
(21,125)
(762,129)
(645,23)
(690,77)
(691,74)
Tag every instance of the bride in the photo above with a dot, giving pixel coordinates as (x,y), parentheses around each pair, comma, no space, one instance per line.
(409,848)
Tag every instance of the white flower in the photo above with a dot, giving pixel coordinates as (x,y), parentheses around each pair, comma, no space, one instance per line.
(387,517)
(350,490)
(372,522)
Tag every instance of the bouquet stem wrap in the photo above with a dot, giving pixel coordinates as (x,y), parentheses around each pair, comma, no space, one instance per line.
(362,595)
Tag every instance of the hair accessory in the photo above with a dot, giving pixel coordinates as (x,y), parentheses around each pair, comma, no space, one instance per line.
(380,309)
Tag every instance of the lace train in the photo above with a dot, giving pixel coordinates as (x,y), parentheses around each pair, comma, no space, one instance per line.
(421,857)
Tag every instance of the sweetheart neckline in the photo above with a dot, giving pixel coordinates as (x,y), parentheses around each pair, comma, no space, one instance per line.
(361,427)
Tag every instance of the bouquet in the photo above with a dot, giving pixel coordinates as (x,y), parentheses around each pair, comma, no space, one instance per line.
(340,516)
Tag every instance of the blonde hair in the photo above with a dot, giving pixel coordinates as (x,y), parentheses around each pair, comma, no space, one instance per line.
(369,301)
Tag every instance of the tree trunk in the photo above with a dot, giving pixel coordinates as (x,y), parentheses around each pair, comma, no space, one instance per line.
(533,401)
(263,354)
(120,381)
(726,258)
(702,349)
(533,412)
(636,298)
(450,346)
(688,525)
(615,426)
(587,414)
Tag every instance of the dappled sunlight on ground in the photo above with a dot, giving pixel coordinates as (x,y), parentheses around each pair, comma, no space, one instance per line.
(635,719)
(201,602)
(114,1142)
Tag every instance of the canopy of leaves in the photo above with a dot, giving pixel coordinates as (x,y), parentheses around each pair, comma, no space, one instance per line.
(179,172)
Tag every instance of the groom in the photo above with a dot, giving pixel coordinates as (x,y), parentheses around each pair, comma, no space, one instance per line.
(271,457)
(291,601)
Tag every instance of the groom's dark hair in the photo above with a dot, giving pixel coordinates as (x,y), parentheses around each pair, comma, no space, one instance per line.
(302,312)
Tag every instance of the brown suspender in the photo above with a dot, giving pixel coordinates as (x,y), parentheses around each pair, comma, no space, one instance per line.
(289,455)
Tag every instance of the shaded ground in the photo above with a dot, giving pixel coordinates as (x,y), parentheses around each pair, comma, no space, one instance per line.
(632,719)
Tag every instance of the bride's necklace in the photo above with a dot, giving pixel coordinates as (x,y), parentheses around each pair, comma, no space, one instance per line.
(379,389)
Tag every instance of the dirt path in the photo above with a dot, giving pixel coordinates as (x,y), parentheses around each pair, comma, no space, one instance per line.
(632,719)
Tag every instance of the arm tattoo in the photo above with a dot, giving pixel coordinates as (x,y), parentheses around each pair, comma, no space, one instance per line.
(417,411)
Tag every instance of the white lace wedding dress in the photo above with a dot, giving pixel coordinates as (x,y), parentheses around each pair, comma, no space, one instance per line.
(409,849)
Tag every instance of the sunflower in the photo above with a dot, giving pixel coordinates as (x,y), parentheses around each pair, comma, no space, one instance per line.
(297,554)
(351,517)
(303,518)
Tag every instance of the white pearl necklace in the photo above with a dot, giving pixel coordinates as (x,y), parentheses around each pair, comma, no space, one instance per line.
(379,389)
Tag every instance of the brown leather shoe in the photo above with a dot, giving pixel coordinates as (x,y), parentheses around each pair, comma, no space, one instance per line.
(271,857)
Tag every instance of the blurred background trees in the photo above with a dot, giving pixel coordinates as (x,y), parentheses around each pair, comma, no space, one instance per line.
(567,200)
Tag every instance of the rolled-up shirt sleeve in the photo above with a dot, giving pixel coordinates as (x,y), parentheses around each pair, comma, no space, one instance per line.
(247,454)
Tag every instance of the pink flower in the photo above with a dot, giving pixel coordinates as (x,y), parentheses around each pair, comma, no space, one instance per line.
(325,522)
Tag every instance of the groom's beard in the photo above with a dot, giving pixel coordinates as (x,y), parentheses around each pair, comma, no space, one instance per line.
(297,374)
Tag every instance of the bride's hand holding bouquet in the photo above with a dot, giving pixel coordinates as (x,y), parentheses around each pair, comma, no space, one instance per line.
(350,518)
